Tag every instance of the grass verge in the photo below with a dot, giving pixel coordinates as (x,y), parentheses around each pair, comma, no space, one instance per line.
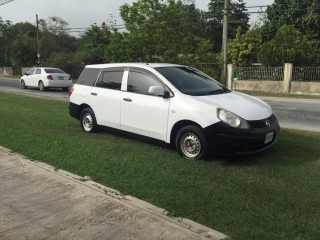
(11,76)
(273,195)
(284,95)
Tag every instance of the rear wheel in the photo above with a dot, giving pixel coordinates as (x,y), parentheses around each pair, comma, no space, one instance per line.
(66,89)
(191,142)
(23,84)
(41,86)
(88,120)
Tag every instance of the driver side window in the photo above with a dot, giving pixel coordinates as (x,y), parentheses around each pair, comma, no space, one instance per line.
(140,82)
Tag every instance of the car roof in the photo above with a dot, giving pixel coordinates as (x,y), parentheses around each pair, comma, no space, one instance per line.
(143,65)
(48,67)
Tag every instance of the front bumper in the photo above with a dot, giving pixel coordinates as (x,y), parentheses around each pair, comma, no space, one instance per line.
(225,139)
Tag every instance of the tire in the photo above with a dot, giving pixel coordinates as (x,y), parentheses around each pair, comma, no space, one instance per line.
(191,143)
(65,89)
(88,120)
(41,86)
(23,84)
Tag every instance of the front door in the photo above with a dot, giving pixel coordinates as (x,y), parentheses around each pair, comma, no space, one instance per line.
(141,112)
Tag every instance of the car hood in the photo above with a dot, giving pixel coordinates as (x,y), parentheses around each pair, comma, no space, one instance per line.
(245,106)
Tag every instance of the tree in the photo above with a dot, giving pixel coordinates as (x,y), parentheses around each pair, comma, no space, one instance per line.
(5,42)
(21,45)
(304,15)
(92,45)
(54,38)
(162,31)
(288,46)
(244,48)
(237,17)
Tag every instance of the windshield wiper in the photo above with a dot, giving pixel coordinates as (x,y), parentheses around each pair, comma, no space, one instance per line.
(213,92)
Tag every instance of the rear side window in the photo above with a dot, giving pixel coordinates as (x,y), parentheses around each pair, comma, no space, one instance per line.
(38,71)
(88,76)
(139,82)
(111,80)
(30,72)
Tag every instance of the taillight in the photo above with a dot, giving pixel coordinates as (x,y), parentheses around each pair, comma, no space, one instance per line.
(71,91)
(50,77)
(70,78)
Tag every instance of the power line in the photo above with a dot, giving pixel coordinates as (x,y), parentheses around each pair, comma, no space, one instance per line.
(2,2)
(286,10)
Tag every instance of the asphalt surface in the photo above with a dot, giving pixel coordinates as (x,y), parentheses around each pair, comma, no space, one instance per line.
(39,202)
(296,113)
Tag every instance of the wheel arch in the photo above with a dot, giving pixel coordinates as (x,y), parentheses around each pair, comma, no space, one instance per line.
(80,109)
(177,126)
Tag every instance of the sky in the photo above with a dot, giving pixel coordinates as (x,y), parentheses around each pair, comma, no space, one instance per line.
(83,13)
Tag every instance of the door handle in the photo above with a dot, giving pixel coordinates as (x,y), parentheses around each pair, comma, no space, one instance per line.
(94,94)
(128,99)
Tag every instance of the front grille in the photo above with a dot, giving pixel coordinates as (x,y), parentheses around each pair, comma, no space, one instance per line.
(262,123)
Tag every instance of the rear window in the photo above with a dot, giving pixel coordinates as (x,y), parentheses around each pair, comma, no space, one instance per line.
(53,70)
(88,76)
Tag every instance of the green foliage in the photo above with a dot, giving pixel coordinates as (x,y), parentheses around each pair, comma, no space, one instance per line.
(171,31)
(92,45)
(304,15)
(18,44)
(288,46)
(237,18)
(160,31)
(243,49)
(55,42)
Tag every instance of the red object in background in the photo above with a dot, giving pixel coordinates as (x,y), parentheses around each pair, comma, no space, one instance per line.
(103,25)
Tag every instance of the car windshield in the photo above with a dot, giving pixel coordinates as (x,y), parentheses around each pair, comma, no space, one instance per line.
(53,70)
(191,81)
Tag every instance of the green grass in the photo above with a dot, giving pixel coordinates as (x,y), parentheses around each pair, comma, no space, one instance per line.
(273,195)
(11,76)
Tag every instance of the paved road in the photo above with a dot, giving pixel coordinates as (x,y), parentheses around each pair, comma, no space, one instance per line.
(292,113)
(296,113)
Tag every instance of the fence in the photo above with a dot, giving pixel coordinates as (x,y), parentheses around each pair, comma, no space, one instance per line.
(306,74)
(303,74)
(260,73)
(287,79)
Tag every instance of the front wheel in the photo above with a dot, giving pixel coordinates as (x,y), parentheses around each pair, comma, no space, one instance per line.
(191,142)
(88,120)
(23,84)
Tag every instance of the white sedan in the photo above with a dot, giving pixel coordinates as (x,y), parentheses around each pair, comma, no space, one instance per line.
(46,77)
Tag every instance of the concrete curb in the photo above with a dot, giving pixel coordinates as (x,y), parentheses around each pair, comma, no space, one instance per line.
(125,199)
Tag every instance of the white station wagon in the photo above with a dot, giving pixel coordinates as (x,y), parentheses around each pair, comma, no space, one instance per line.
(175,104)
(46,77)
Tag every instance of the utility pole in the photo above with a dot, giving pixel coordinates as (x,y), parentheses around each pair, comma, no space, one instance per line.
(225,41)
(38,42)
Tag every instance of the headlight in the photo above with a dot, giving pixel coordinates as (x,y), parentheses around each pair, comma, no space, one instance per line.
(231,119)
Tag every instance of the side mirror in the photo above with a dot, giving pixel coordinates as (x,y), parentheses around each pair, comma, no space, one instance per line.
(26,74)
(156,91)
